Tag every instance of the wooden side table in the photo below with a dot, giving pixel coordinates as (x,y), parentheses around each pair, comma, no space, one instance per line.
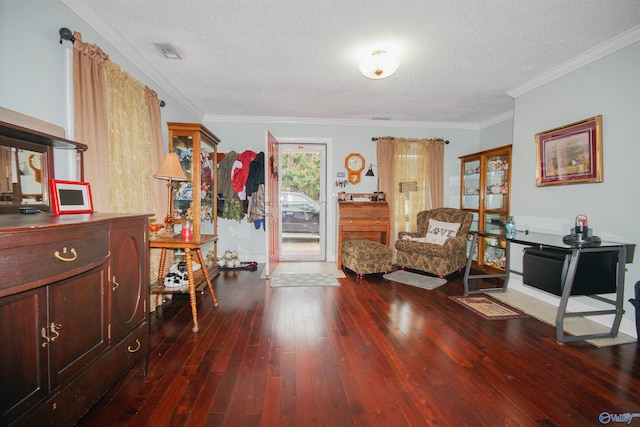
(176,242)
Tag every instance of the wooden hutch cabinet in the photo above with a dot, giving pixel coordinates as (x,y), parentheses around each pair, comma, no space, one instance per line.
(196,198)
(485,186)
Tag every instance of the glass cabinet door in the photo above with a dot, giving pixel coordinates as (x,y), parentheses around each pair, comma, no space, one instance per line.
(207,168)
(183,198)
(497,183)
(471,184)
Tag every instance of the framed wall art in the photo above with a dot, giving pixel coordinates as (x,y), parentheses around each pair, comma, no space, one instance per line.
(570,154)
(70,197)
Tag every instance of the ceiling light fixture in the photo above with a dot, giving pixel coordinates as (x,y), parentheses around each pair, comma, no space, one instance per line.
(379,65)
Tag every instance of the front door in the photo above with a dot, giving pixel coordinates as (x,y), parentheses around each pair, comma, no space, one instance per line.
(272,205)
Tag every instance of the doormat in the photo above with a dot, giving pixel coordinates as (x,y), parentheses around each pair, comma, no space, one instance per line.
(303,280)
(488,308)
(414,279)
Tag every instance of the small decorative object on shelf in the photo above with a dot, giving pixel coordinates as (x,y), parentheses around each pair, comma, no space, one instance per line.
(511,227)
(187,230)
(168,224)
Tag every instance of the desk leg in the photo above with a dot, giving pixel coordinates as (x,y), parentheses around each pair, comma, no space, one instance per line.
(566,294)
(205,273)
(468,276)
(622,256)
(467,270)
(163,259)
(192,289)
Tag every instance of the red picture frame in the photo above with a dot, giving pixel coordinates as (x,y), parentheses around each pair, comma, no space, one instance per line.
(570,154)
(70,197)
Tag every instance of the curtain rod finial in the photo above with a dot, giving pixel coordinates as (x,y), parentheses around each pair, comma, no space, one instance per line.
(66,34)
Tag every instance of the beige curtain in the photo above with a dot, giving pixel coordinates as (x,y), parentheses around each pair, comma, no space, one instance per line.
(136,150)
(131,159)
(90,117)
(119,119)
(436,172)
(157,153)
(159,187)
(403,161)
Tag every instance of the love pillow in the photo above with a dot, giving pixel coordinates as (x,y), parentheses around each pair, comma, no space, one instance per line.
(439,231)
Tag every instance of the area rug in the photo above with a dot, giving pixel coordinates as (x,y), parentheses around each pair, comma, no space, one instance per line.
(488,308)
(297,280)
(546,313)
(414,279)
(305,267)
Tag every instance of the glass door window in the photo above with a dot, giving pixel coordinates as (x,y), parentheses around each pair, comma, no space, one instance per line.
(302,206)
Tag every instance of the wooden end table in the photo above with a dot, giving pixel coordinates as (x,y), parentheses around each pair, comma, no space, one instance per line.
(166,242)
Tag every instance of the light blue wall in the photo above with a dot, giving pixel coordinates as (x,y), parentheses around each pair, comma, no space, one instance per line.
(610,87)
(32,61)
(496,135)
(342,140)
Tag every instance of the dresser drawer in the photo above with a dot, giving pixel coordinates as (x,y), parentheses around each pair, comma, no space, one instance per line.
(41,256)
(365,222)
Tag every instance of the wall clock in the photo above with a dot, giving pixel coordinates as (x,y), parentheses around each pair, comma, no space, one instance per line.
(354,163)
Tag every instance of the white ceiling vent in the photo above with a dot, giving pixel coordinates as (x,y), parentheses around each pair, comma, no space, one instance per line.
(167,50)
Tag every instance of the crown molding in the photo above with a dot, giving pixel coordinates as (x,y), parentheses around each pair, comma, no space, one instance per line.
(507,115)
(339,122)
(88,14)
(603,49)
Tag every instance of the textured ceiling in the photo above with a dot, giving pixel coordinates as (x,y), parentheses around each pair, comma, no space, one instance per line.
(299,58)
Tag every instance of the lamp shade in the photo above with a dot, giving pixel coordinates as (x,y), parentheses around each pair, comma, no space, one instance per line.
(379,65)
(370,171)
(170,169)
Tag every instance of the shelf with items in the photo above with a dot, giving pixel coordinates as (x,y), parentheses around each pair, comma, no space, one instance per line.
(485,191)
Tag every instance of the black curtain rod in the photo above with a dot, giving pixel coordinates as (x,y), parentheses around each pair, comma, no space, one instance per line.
(67,34)
(375,138)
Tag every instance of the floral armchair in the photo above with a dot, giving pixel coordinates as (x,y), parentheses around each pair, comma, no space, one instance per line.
(415,251)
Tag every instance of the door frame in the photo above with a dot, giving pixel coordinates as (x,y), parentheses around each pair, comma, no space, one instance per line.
(330,193)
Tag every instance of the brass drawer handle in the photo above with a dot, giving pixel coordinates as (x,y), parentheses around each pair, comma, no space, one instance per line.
(44,335)
(64,256)
(54,330)
(132,350)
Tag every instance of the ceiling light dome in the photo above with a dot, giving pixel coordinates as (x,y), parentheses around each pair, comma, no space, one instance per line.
(379,66)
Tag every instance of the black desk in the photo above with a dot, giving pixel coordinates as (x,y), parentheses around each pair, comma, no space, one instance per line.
(553,242)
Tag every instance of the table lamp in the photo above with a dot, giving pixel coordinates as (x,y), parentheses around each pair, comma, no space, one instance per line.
(170,170)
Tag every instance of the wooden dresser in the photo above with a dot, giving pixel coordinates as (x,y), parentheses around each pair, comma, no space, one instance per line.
(73,310)
(364,221)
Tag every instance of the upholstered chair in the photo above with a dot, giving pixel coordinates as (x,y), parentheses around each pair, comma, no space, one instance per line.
(416,252)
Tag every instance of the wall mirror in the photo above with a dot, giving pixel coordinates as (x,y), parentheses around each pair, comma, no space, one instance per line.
(25,169)
(26,165)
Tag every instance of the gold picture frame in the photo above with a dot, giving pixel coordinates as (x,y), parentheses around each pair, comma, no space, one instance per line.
(570,154)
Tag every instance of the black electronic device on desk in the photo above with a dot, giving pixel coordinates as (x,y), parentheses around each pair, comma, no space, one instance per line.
(581,234)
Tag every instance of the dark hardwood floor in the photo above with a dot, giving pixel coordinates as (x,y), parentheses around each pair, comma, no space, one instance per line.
(368,353)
